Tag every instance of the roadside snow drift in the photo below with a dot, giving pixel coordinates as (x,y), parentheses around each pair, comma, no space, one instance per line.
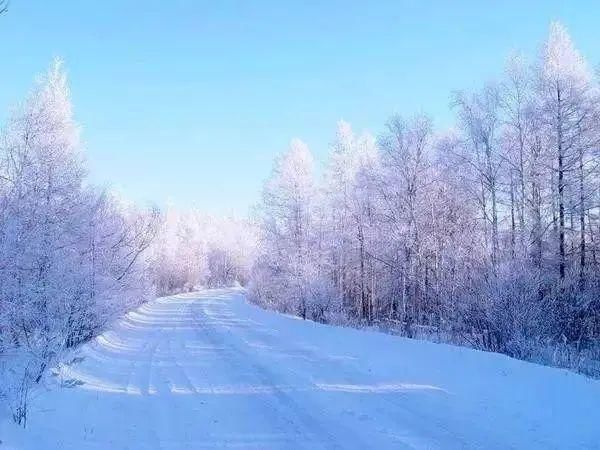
(208,370)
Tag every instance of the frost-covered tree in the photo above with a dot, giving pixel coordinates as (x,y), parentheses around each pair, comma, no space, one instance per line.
(193,249)
(287,271)
(567,104)
(350,213)
(71,258)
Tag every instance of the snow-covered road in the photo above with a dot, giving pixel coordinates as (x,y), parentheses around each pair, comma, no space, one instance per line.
(208,370)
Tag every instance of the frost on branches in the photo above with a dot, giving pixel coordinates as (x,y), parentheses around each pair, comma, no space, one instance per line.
(484,235)
(71,257)
(193,250)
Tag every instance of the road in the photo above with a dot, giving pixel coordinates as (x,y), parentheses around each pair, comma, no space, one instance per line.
(208,370)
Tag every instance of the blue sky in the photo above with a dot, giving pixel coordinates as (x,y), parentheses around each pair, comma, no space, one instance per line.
(189,101)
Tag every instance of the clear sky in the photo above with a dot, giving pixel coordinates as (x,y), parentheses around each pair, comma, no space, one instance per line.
(189,101)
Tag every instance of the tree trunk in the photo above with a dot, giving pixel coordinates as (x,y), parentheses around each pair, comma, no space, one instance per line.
(561,187)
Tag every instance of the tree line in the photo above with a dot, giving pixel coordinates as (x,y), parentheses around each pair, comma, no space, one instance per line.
(72,257)
(194,250)
(486,234)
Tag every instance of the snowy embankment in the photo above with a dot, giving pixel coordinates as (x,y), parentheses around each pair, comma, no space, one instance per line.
(208,370)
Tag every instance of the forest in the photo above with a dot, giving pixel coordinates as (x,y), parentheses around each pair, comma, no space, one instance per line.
(484,235)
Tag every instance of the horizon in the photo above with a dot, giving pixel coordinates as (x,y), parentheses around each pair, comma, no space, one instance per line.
(212,139)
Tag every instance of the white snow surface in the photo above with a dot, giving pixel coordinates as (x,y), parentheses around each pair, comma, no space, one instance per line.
(209,370)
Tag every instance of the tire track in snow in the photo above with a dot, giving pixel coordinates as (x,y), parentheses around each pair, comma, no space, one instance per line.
(302,420)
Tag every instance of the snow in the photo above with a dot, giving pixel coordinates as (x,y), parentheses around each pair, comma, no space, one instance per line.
(209,370)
